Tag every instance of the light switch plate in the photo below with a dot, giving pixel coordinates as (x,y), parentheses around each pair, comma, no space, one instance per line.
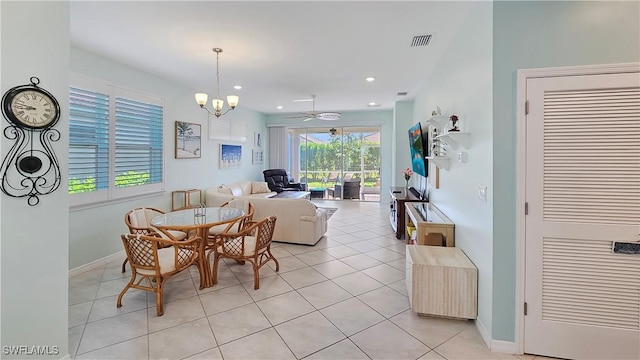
(482,192)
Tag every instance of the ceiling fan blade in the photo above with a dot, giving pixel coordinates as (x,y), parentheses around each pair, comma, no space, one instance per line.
(328,116)
(298,115)
(309,118)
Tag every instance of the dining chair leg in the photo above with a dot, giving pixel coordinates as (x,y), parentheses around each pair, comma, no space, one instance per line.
(123,264)
(159,289)
(119,303)
(256,275)
(274,259)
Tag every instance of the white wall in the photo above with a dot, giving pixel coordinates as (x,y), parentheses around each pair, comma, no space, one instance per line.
(461,84)
(101,238)
(404,120)
(34,253)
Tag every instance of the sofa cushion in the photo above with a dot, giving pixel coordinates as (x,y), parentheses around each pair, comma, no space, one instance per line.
(259,188)
(236,189)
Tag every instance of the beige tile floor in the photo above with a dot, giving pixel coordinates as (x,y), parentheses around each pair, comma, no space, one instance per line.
(344,298)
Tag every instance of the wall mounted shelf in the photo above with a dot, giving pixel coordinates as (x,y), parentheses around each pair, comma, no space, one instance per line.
(442,162)
(438,120)
(455,138)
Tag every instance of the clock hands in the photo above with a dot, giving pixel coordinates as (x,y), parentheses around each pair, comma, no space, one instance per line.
(24,107)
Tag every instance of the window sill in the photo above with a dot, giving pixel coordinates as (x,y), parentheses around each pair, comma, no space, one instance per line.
(101,203)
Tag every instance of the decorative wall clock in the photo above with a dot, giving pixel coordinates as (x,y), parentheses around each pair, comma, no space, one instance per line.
(30,169)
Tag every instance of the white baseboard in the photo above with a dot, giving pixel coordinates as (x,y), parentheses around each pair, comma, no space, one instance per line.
(97,263)
(506,347)
(483,332)
(501,346)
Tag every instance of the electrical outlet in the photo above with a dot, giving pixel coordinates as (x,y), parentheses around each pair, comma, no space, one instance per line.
(482,192)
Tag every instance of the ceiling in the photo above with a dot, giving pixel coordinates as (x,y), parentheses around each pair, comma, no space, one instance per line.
(277,51)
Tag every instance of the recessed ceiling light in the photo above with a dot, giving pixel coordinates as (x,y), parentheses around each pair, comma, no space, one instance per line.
(279,107)
(237,87)
(373,103)
(370,78)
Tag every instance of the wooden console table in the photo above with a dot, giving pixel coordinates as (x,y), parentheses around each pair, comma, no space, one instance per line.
(433,227)
(441,281)
(400,196)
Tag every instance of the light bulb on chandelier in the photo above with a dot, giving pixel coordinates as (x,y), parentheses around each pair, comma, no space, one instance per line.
(217,103)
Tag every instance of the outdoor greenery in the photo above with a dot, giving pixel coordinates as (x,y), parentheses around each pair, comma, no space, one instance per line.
(319,159)
(126,179)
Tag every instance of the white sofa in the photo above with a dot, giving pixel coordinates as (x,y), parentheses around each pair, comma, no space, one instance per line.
(249,190)
(299,220)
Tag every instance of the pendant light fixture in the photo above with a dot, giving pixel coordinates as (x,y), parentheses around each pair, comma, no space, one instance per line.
(217,103)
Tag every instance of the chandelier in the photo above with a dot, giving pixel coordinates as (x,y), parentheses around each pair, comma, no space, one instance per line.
(218,103)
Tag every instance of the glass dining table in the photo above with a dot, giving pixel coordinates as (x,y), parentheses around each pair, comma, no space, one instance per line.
(200,220)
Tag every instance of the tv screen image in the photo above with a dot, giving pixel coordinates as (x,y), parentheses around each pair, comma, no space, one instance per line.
(418,147)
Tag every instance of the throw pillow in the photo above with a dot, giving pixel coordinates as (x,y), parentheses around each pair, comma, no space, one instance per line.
(259,188)
(224,189)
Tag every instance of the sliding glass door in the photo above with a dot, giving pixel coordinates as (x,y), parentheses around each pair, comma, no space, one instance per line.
(338,163)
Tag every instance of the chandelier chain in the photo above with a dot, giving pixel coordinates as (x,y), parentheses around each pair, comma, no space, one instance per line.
(218,72)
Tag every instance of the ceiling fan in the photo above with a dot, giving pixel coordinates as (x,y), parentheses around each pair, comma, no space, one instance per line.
(313,114)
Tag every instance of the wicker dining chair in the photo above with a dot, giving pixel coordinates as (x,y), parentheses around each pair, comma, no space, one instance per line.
(138,221)
(235,226)
(155,260)
(242,204)
(252,243)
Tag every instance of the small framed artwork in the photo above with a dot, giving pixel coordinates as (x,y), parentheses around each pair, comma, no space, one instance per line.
(188,140)
(258,156)
(230,156)
(257,139)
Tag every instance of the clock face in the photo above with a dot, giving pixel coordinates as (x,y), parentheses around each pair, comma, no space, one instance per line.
(33,109)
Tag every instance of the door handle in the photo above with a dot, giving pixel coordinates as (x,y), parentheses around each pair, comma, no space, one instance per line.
(623,247)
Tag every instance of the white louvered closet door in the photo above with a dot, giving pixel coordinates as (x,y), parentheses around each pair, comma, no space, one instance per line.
(583,193)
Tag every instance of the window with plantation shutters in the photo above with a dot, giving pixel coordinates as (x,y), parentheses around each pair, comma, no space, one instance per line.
(88,141)
(115,142)
(138,150)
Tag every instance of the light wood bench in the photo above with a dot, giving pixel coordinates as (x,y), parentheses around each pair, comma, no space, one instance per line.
(441,281)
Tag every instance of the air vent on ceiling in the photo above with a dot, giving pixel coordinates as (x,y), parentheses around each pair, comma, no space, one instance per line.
(420,40)
(402,93)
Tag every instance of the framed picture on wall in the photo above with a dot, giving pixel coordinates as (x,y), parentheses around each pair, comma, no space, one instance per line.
(258,156)
(257,139)
(188,140)
(230,156)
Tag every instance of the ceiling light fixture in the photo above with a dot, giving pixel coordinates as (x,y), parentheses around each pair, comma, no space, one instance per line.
(370,78)
(218,104)
(279,107)
(237,87)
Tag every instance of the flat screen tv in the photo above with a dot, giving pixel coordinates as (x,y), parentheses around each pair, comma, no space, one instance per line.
(418,150)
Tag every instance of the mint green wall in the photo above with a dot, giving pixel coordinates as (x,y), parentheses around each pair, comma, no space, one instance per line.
(35,239)
(89,243)
(533,34)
